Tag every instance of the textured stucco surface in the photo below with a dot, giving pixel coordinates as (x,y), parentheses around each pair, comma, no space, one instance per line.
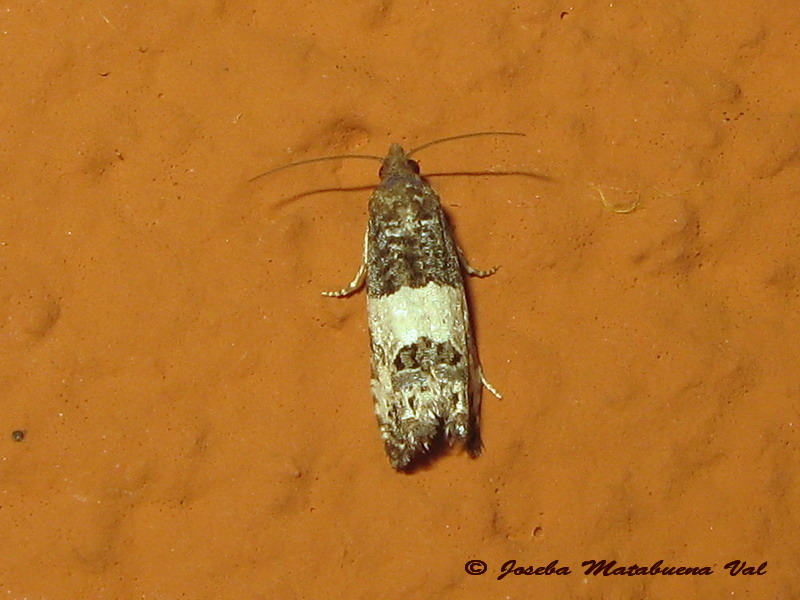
(197,417)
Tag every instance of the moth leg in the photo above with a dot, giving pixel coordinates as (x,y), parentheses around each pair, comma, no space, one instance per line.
(358,280)
(478,273)
(490,387)
(475,272)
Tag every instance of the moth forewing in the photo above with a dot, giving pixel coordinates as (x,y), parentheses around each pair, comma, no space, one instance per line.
(426,377)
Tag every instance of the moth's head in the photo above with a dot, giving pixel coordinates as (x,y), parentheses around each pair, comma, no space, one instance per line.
(398,164)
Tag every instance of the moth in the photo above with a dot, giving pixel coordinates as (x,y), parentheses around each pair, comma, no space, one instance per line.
(426,377)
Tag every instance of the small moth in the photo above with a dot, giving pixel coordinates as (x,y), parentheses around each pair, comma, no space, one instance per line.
(426,377)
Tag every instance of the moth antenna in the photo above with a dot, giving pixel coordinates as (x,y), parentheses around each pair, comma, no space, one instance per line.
(313,160)
(461,137)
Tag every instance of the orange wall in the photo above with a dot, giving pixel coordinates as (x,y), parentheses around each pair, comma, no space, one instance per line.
(197,417)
